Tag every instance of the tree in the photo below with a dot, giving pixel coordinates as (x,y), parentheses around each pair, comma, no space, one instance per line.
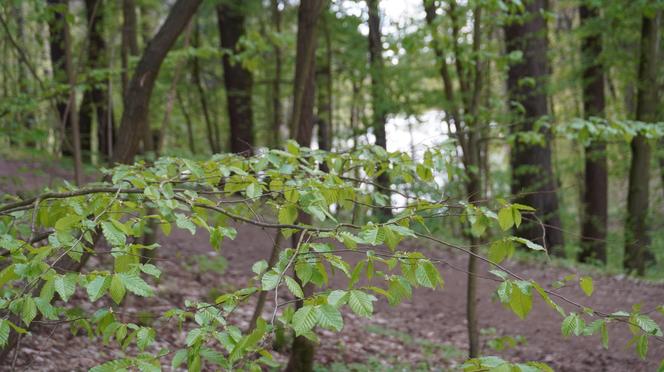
(533,181)
(301,127)
(137,99)
(237,78)
(637,239)
(96,101)
(57,31)
(595,196)
(211,126)
(276,82)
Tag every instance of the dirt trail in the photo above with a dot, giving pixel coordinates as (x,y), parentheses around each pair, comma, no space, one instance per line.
(427,332)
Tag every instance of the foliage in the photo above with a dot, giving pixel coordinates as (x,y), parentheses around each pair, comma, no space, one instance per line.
(208,195)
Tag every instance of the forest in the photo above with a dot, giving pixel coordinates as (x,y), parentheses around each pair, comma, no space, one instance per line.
(331,185)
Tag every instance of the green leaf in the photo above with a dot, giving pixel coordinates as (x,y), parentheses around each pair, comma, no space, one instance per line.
(135,284)
(604,335)
(500,250)
(586,284)
(254,191)
(572,324)
(337,298)
(259,266)
(505,219)
(361,303)
(642,346)
(117,289)
(294,287)
(287,214)
(427,275)
(329,317)
(4,332)
(97,287)
(304,319)
(183,222)
(270,280)
(145,337)
(647,324)
(113,235)
(65,285)
(28,310)
(521,301)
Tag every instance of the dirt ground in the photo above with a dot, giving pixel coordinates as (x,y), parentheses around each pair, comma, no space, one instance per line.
(427,332)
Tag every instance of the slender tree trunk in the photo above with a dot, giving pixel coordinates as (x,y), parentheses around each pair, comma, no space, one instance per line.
(71,107)
(237,79)
(532,171)
(378,94)
(324,105)
(129,39)
(302,352)
(211,127)
(187,119)
(57,30)
(277,115)
(637,257)
(595,200)
(96,98)
(137,100)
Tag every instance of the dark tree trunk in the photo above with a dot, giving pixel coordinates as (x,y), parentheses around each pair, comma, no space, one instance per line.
(57,31)
(637,256)
(137,100)
(237,79)
(129,39)
(305,65)
(96,99)
(302,352)
(324,91)
(595,199)
(378,96)
(532,173)
(211,127)
(187,119)
(276,83)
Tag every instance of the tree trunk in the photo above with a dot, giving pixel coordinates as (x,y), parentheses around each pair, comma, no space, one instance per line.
(595,199)
(137,100)
(302,352)
(378,96)
(276,83)
(237,79)
(212,131)
(187,119)
(96,98)
(532,173)
(637,257)
(57,29)
(324,91)
(71,106)
(129,39)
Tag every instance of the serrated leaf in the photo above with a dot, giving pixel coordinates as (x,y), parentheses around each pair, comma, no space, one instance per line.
(145,337)
(647,324)
(427,275)
(505,219)
(337,298)
(304,319)
(572,324)
(4,332)
(329,317)
(270,280)
(135,284)
(361,303)
(65,285)
(642,346)
(97,287)
(586,284)
(521,302)
(113,235)
(183,222)
(28,310)
(259,266)
(294,287)
(117,289)
(287,214)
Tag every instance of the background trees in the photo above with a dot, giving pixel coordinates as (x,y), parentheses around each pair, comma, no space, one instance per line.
(533,103)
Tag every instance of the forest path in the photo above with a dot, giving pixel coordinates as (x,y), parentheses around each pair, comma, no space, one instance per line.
(427,332)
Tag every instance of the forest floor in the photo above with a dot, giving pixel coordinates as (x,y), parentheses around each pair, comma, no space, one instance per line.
(427,332)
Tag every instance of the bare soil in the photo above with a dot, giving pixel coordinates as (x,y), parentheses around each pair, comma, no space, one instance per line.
(427,332)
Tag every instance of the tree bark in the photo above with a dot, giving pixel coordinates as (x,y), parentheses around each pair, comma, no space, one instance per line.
(637,256)
(96,99)
(211,127)
(302,352)
(237,79)
(378,94)
(595,199)
(324,91)
(277,115)
(129,39)
(532,172)
(137,100)
(57,30)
